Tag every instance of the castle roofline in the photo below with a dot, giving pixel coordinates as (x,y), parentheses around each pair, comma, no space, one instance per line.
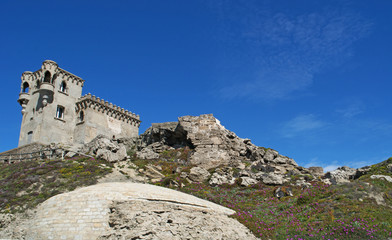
(57,70)
(99,104)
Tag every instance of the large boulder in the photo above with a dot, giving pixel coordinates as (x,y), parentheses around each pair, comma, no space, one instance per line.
(247,181)
(341,175)
(222,176)
(132,211)
(271,178)
(382,177)
(316,171)
(105,148)
(198,174)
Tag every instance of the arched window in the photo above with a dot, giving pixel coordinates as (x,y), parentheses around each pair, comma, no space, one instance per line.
(25,87)
(47,77)
(63,87)
(81,116)
(54,78)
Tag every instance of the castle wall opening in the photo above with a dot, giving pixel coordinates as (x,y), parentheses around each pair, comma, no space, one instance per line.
(63,87)
(47,77)
(25,87)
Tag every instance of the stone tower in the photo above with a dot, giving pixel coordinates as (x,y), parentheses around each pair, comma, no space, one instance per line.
(54,110)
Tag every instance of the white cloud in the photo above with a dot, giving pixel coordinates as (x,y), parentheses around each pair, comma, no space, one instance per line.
(354,108)
(286,51)
(331,167)
(315,162)
(312,163)
(301,124)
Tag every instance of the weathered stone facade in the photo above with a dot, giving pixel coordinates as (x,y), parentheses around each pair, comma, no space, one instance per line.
(54,110)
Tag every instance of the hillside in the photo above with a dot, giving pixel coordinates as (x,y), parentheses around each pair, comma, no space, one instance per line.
(271,195)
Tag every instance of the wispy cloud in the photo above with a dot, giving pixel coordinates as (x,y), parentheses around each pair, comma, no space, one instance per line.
(352,109)
(331,167)
(314,162)
(301,124)
(288,50)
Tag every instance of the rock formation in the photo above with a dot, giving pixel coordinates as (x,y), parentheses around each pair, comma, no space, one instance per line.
(132,211)
(213,146)
(109,150)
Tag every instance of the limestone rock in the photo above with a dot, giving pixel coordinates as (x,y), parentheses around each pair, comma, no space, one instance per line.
(212,144)
(147,153)
(316,171)
(222,176)
(382,177)
(246,181)
(362,171)
(198,174)
(165,221)
(304,184)
(153,173)
(132,211)
(341,175)
(109,150)
(271,178)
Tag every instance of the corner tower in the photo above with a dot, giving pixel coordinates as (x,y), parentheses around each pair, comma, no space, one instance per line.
(54,110)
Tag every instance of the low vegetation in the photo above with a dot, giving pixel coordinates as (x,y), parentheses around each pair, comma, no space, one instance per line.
(346,211)
(25,184)
(319,212)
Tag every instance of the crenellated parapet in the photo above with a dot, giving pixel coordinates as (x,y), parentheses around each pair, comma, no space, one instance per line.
(69,77)
(100,105)
(56,72)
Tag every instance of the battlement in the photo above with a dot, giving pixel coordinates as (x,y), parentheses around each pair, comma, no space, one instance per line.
(100,105)
(56,71)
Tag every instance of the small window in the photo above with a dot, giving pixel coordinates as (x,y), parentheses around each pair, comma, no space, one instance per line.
(60,112)
(63,87)
(29,137)
(47,77)
(81,116)
(25,87)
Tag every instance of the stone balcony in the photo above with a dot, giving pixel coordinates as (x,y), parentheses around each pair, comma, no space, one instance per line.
(47,86)
(23,98)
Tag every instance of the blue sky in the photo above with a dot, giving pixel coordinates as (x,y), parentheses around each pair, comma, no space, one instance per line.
(311,79)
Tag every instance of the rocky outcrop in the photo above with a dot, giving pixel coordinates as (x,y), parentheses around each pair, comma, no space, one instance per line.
(271,178)
(247,181)
(341,175)
(213,146)
(222,176)
(316,171)
(160,220)
(382,177)
(110,150)
(198,174)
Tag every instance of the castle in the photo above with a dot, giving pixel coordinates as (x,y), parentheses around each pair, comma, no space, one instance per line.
(54,110)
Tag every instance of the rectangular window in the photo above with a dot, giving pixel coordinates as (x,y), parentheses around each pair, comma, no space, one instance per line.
(60,112)
(29,137)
